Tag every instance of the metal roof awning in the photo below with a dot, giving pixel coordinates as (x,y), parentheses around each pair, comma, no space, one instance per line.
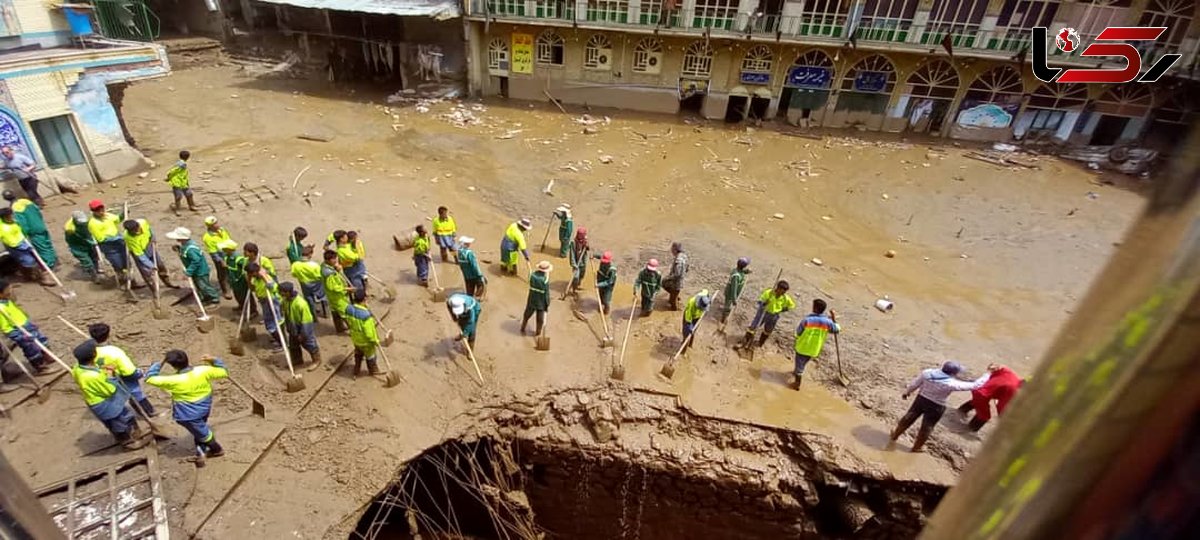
(437,9)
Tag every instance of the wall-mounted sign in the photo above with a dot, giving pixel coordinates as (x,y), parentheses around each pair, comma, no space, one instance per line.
(522,53)
(985,115)
(870,81)
(808,77)
(755,77)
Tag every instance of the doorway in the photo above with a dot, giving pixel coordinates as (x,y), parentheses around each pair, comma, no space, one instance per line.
(759,106)
(735,111)
(693,103)
(504,87)
(1108,130)
(927,115)
(785,100)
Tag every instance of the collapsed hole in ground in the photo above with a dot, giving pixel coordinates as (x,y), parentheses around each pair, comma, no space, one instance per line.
(497,488)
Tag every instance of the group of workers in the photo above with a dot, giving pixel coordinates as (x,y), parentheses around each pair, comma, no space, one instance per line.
(336,286)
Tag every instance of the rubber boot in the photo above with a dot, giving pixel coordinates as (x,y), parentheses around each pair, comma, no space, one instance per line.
(339,325)
(922,436)
(795,385)
(276,346)
(445,258)
(316,359)
(192,203)
(763,339)
(673,300)
(372,366)
(358,360)
(213,448)
(524,323)
(129,442)
(747,339)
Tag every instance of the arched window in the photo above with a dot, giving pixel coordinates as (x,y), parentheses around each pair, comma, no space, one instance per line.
(498,54)
(1001,84)
(813,70)
(1130,99)
(814,58)
(758,60)
(647,56)
(873,74)
(697,60)
(550,49)
(935,78)
(598,53)
(1059,96)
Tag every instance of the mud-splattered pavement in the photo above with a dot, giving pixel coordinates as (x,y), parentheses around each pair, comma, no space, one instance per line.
(988,262)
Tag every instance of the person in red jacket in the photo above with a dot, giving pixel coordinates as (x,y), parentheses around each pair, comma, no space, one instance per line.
(1001,387)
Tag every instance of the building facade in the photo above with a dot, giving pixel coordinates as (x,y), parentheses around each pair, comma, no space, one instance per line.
(954,68)
(58,84)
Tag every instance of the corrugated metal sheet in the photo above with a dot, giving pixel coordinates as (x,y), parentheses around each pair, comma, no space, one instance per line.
(438,9)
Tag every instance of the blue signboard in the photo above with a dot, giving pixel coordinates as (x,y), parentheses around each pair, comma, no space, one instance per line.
(808,77)
(751,77)
(871,81)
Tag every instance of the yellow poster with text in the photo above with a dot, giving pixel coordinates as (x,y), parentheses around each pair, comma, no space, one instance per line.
(522,53)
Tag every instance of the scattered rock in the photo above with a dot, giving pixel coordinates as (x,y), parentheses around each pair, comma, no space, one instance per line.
(470,188)
(143,175)
(606,159)
(817,261)
(778,215)
(589,130)
(884,196)
(891,254)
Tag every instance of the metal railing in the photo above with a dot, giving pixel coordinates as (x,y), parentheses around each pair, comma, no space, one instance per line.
(127,19)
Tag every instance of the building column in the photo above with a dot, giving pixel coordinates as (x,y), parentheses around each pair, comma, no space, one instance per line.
(687,13)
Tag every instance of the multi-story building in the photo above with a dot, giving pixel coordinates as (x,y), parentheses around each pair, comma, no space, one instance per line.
(61,85)
(956,68)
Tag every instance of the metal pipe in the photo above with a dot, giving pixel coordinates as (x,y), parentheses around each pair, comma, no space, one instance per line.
(1079,450)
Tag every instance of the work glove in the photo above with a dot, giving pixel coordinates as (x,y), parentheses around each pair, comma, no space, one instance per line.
(155,368)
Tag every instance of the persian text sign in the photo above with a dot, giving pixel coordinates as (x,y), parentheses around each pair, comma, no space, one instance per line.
(522,53)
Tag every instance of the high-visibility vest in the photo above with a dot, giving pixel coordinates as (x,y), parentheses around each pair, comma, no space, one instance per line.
(775,305)
(94,385)
(11,235)
(212,240)
(111,357)
(11,316)
(137,243)
(105,228)
(444,227)
(306,271)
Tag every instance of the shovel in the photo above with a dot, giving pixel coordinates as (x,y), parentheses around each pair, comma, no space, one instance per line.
(439,293)
(392,377)
(247,333)
(295,384)
(608,339)
(256,407)
(618,369)
(471,355)
(129,265)
(388,338)
(67,295)
(235,343)
(668,369)
(204,323)
(546,237)
(542,342)
(38,393)
(158,312)
(837,350)
(389,294)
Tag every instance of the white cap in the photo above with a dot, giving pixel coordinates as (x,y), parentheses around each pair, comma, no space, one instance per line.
(180,233)
(465,240)
(458,306)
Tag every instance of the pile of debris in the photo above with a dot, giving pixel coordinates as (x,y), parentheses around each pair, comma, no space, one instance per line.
(1125,159)
(854,142)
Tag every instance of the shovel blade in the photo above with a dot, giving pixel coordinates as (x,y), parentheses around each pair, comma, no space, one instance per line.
(257,409)
(236,348)
(391,379)
(606,343)
(439,294)
(618,372)
(668,370)
(206,324)
(543,343)
(388,339)
(249,335)
(295,384)
(160,314)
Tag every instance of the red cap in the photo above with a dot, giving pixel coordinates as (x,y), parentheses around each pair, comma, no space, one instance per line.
(606,257)
(96,204)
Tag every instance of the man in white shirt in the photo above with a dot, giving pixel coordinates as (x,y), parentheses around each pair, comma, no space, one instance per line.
(933,387)
(23,168)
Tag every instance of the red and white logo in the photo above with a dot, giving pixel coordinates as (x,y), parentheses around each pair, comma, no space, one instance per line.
(1067,40)
(1112,42)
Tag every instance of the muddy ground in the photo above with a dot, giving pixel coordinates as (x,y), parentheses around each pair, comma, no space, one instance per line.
(988,263)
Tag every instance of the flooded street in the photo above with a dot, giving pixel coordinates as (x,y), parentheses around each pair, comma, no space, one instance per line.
(986,264)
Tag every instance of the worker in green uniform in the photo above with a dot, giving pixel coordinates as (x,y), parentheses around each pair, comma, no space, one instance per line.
(336,289)
(578,256)
(473,278)
(733,288)
(364,334)
(465,310)
(421,258)
(538,301)
(692,311)
(20,249)
(81,244)
(239,283)
(566,227)
(301,327)
(647,284)
(295,249)
(29,216)
(195,266)
(606,280)
(106,398)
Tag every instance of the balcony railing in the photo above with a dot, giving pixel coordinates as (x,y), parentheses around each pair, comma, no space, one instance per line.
(127,19)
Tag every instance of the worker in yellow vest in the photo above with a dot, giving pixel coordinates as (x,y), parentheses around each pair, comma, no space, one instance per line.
(18,245)
(421,258)
(214,234)
(337,290)
(513,243)
(444,230)
(266,290)
(115,360)
(300,325)
(106,232)
(12,321)
(140,241)
(308,273)
(692,311)
(106,398)
(771,305)
(191,396)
